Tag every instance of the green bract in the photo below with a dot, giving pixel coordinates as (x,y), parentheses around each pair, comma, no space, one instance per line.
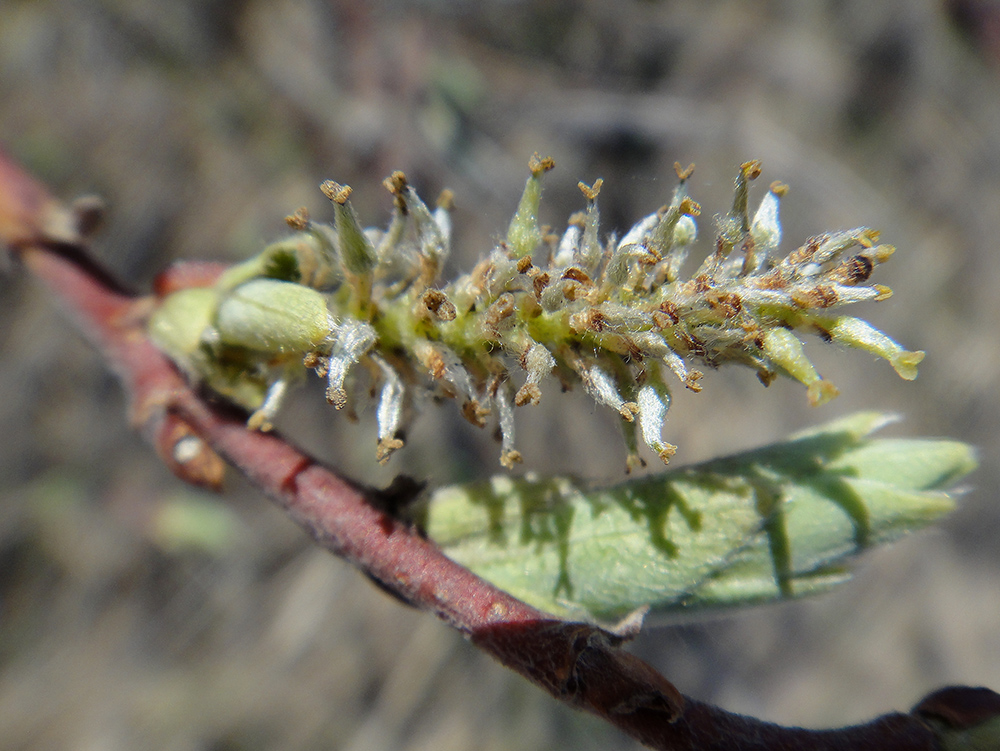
(611,315)
(775,523)
(273,317)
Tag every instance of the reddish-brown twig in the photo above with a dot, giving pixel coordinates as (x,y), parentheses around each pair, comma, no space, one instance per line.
(576,662)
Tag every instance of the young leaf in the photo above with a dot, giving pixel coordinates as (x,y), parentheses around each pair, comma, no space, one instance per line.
(770,524)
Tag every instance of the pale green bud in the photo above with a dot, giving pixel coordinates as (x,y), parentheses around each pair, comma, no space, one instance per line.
(178,325)
(181,326)
(273,317)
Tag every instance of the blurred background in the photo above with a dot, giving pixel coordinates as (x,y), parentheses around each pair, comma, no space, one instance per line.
(138,613)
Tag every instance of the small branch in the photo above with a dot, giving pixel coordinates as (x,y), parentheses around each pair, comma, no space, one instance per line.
(575,662)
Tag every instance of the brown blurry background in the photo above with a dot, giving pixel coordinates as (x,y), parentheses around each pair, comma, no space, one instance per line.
(203,124)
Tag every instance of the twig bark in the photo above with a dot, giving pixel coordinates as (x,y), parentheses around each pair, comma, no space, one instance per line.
(575,662)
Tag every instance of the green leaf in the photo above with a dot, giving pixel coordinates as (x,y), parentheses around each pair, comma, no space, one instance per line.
(770,524)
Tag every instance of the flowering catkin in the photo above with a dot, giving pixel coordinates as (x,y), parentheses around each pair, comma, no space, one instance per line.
(608,315)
